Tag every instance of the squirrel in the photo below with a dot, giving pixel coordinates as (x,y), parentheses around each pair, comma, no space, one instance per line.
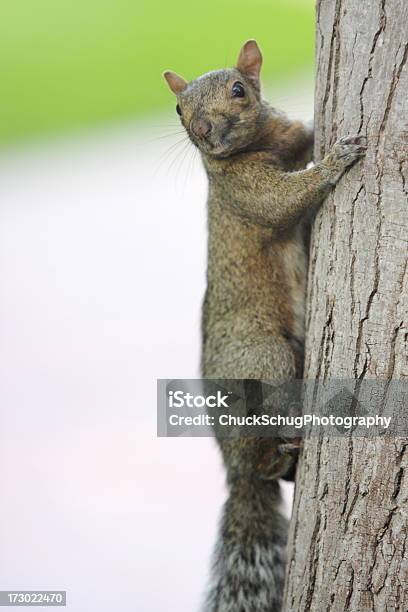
(253,312)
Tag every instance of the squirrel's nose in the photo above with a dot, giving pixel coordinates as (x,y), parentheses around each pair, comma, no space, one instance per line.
(201,127)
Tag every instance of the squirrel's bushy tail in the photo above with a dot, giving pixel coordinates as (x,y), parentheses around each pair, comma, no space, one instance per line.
(249,559)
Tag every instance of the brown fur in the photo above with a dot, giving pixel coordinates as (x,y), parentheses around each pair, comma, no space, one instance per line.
(253,314)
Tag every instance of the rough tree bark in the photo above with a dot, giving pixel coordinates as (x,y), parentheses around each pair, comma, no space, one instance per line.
(348,547)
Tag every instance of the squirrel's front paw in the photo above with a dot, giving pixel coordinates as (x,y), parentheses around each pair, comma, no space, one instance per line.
(348,149)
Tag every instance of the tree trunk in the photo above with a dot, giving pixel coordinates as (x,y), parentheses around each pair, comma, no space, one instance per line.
(348,547)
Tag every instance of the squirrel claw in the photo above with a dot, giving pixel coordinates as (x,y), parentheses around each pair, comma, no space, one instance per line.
(291,447)
(350,148)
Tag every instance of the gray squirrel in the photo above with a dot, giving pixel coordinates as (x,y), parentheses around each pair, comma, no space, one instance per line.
(253,312)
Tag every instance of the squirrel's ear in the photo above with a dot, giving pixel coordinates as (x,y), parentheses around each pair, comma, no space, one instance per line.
(176,83)
(250,60)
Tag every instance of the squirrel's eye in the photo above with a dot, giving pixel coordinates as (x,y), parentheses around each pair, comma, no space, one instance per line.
(178,110)
(238,90)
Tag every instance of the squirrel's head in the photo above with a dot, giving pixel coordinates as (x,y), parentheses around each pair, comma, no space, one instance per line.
(221,110)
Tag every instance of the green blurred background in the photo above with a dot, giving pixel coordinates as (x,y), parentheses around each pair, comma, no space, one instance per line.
(67,64)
